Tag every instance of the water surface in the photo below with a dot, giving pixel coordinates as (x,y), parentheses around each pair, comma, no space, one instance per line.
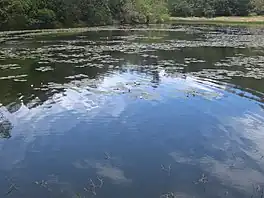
(169,111)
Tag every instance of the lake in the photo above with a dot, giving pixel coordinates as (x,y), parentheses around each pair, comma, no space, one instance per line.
(165,111)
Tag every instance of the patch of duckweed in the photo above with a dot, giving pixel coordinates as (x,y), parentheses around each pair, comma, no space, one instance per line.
(17,77)
(193,60)
(20,80)
(250,67)
(136,51)
(78,76)
(218,74)
(44,69)
(10,66)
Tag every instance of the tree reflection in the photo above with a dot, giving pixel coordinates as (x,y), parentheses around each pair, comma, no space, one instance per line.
(155,78)
(144,52)
(5,127)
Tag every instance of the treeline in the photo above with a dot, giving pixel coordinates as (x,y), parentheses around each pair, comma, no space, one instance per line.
(212,8)
(34,14)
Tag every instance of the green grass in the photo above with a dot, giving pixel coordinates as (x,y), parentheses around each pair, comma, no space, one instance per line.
(251,20)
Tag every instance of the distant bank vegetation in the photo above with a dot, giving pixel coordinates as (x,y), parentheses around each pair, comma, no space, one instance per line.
(38,14)
(214,8)
(34,14)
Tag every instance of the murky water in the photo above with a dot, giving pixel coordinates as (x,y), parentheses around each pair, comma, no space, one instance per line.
(170,111)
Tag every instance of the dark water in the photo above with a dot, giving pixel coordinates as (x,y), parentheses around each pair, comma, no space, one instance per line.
(142,113)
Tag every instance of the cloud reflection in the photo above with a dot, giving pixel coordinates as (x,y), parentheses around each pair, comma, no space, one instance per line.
(104,170)
(242,143)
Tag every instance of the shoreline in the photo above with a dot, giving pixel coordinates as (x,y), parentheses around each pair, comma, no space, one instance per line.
(230,20)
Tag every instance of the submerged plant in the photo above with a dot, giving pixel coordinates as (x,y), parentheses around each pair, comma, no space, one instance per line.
(43,184)
(92,186)
(107,156)
(203,180)
(166,169)
(168,195)
(12,187)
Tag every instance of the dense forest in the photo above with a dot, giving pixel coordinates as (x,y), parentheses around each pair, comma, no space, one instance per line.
(33,14)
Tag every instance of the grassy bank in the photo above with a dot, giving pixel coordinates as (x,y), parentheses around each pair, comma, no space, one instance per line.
(232,20)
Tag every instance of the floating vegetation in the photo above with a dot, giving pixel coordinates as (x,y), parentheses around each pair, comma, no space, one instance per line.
(20,80)
(76,76)
(170,64)
(13,77)
(44,69)
(253,67)
(218,74)
(193,60)
(10,66)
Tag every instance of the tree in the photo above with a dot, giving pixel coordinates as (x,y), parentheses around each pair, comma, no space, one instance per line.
(14,14)
(258,6)
(45,18)
(209,8)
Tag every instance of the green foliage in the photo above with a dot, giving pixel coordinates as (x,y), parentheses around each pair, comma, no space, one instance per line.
(156,10)
(45,18)
(13,14)
(94,12)
(210,8)
(258,6)
(30,14)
